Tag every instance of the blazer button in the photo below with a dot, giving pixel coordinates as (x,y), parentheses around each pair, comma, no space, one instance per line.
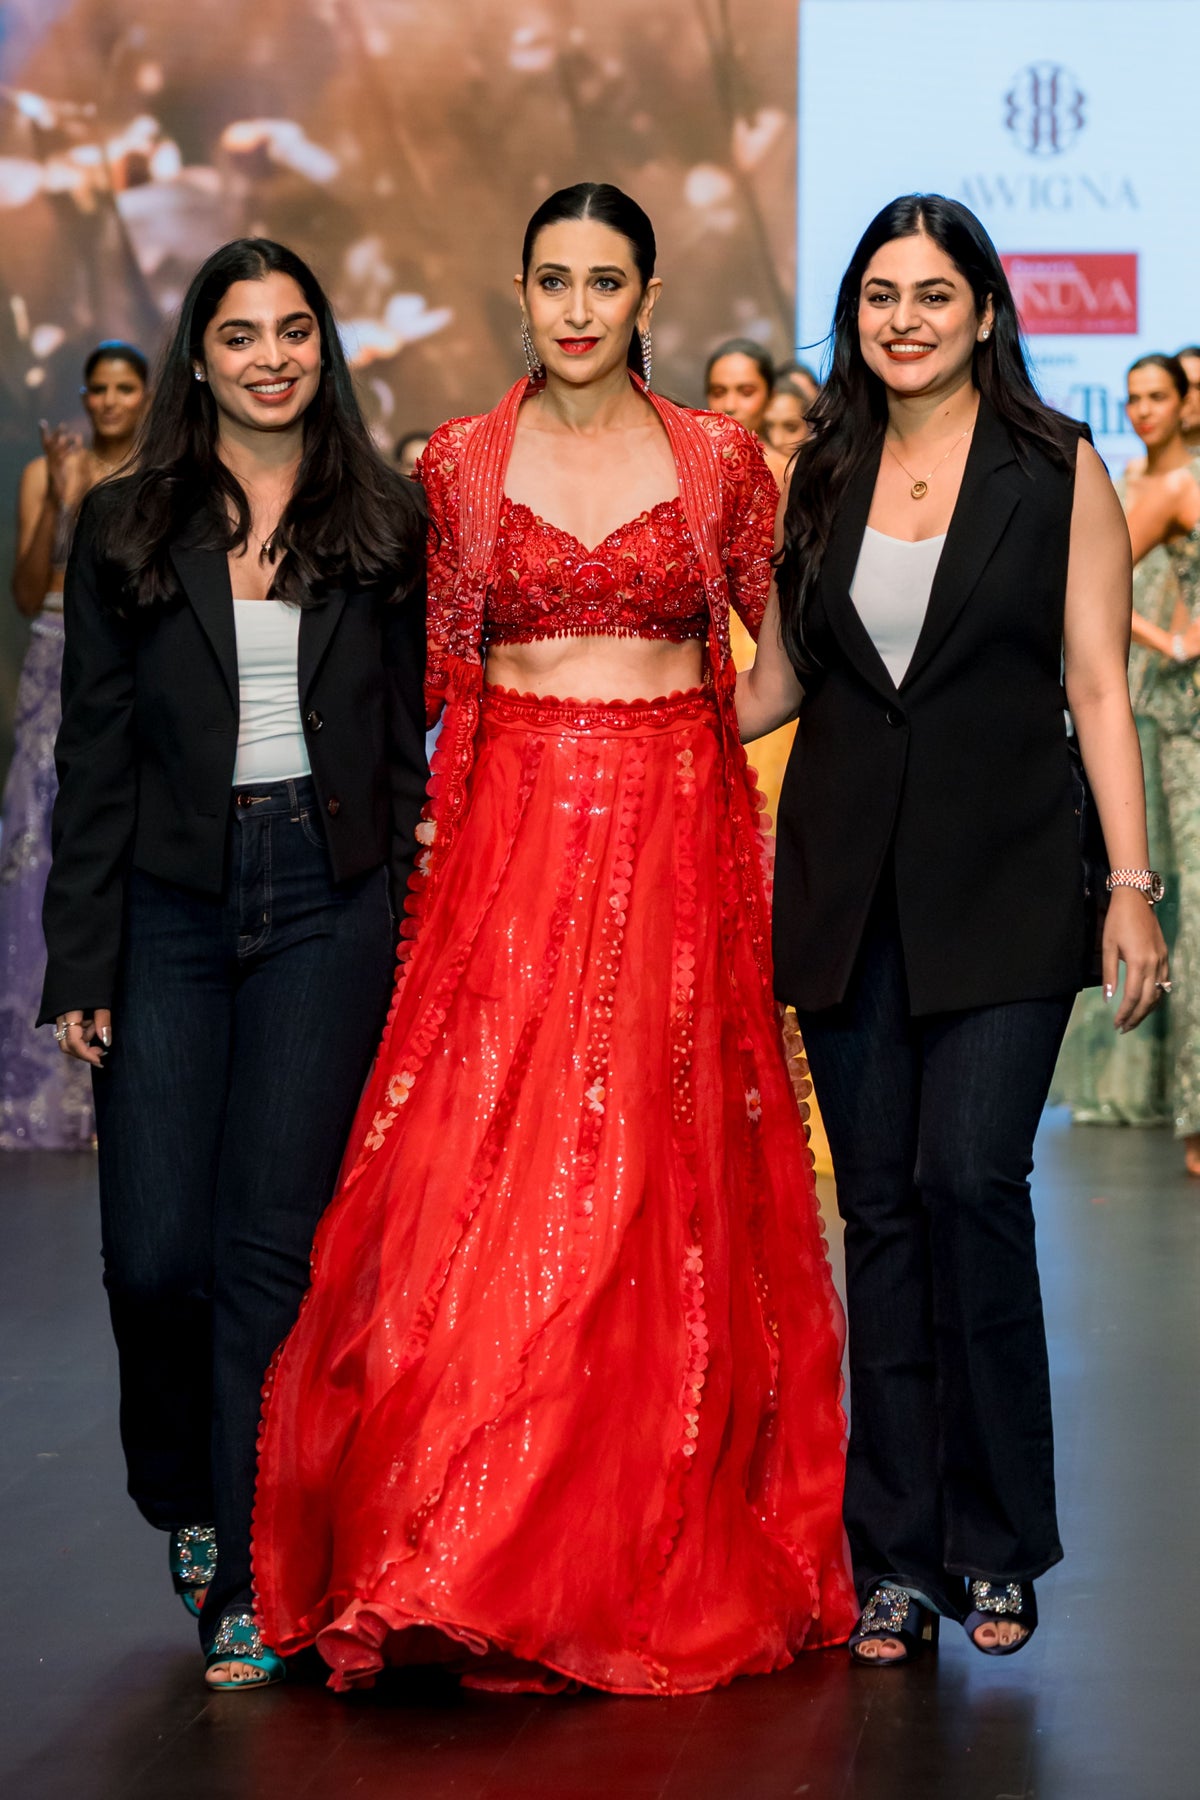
(894,716)
(333,806)
(314,721)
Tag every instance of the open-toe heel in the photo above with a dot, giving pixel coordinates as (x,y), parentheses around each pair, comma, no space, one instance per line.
(192,1553)
(239,1640)
(993,1602)
(892,1612)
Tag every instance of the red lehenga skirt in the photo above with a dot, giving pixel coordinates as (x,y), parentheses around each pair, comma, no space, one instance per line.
(563,1402)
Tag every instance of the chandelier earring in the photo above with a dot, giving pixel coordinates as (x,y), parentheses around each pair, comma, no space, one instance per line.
(532,362)
(647,356)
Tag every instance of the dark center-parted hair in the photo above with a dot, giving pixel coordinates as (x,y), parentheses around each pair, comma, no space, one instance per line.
(117,350)
(351,518)
(847,419)
(742,347)
(1170,365)
(609,206)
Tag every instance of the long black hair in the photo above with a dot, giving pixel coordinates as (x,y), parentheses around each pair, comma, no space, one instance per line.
(610,206)
(350,516)
(847,419)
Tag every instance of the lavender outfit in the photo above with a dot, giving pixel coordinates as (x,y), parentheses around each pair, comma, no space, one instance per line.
(45,1097)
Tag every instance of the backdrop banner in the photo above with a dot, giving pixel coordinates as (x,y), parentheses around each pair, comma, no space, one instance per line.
(1065,127)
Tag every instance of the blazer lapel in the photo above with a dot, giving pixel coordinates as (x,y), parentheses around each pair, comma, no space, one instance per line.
(205,578)
(987,498)
(317,625)
(837,575)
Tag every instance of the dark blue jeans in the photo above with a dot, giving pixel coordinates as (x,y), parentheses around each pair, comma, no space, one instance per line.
(243,1029)
(931,1123)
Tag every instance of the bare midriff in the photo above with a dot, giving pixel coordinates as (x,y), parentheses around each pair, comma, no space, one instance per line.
(596,668)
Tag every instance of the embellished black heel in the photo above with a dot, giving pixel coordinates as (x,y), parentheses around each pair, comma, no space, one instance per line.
(993,1601)
(892,1612)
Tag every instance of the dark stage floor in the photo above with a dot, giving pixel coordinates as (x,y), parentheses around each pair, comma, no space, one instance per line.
(100,1695)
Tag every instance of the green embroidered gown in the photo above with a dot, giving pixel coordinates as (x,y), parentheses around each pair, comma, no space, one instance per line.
(1104,1077)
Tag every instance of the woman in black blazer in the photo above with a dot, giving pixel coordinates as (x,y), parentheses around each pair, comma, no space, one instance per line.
(241,769)
(946,542)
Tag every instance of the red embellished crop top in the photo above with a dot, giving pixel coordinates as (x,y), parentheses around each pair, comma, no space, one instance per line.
(645,579)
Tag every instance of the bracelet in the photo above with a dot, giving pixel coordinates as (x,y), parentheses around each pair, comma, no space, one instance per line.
(1178,649)
(1148,882)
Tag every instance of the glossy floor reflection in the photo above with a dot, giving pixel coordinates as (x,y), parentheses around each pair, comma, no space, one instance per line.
(100,1697)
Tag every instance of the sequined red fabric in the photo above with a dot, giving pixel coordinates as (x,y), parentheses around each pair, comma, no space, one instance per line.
(562,1405)
(721,533)
(644,580)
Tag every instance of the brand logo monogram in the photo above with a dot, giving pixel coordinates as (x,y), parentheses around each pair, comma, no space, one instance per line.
(1045,109)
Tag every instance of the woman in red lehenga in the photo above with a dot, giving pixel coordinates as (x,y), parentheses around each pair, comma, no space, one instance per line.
(563,1404)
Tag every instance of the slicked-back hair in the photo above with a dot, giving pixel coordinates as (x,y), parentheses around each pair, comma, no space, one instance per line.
(1170,366)
(748,347)
(610,206)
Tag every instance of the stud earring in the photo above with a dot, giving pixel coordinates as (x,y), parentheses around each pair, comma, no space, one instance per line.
(985,334)
(647,355)
(197,375)
(532,361)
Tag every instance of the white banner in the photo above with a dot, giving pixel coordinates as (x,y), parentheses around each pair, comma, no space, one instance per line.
(1070,129)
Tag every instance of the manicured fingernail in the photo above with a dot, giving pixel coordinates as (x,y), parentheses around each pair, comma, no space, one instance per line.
(1108,992)
(105,1036)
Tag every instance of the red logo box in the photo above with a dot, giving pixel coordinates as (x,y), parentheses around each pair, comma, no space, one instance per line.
(1079,292)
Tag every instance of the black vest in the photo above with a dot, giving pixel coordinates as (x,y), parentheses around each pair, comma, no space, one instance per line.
(962,773)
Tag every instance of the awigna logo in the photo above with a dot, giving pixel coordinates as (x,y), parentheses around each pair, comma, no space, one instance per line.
(1045,109)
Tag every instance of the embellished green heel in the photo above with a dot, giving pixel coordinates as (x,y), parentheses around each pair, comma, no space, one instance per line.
(192,1553)
(239,1640)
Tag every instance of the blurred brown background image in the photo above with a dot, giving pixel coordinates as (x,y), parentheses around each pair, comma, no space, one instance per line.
(400,146)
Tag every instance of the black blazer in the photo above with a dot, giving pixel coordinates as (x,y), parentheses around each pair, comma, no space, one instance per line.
(962,773)
(146,751)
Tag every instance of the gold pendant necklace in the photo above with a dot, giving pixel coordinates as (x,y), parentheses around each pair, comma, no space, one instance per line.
(920,487)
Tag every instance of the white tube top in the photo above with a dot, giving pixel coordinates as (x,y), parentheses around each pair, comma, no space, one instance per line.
(890,591)
(271,743)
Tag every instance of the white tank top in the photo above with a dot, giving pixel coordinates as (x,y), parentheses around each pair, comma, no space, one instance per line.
(271,743)
(890,591)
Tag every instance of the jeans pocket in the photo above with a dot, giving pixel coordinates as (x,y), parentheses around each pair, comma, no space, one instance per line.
(311,829)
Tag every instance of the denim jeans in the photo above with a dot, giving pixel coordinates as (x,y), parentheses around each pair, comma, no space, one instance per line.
(931,1120)
(243,1030)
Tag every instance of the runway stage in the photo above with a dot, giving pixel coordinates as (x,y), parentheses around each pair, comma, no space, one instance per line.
(100,1695)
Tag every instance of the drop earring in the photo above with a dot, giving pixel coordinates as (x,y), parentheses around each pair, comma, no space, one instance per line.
(532,362)
(647,355)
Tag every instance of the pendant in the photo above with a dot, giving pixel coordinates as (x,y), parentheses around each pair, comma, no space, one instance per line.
(919,489)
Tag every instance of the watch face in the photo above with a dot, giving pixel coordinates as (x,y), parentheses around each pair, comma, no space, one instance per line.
(1157,889)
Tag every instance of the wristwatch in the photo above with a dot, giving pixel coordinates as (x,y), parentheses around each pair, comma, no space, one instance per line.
(1147,881)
